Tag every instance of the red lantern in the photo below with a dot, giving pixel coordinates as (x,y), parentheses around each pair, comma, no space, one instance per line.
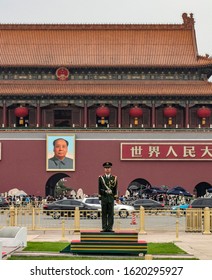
(203,113)
(102,112)
(21,112)
(170,112)
(136,112)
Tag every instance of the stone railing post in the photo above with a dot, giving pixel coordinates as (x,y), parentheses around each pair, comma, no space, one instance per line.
(142,221)
(76,220)
(33,218)
(206,222)
(12,216)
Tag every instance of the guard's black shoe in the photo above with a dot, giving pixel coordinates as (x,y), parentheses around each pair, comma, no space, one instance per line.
(110,230)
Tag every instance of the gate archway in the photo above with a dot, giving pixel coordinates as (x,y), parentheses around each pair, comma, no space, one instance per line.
(52,181)
(200,189)
(137,185)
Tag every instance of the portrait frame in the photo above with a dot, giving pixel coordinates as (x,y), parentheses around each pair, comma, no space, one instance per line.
(52,164)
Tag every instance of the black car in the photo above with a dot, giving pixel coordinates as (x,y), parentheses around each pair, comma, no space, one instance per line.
(4,203)
(147,204)
(67,206)
(201,202)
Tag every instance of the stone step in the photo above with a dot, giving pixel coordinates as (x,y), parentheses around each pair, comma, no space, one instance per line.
(129,248)
(109,236)
(95,242)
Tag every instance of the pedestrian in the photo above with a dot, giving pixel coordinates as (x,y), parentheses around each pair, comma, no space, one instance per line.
(107,194)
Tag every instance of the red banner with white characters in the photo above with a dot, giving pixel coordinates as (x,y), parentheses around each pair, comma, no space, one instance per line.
(186,151)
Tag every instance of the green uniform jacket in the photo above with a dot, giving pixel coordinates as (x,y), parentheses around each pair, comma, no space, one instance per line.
(106,184)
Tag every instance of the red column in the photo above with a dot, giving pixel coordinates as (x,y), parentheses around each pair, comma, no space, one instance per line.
(119,113)
(4,117)
(187,115)
(85,114)
(153,114)
(38,113)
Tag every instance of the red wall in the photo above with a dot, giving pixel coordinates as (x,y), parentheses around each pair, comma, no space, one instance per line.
(23,166)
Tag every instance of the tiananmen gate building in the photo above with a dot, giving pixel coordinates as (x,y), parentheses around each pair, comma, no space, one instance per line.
(136,95)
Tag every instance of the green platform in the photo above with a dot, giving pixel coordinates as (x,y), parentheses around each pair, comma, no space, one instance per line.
(95,242)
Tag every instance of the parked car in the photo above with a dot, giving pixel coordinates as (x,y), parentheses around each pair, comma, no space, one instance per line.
(147,203)
(93,201)
(4,202)
(181,207)
(201,202)
(123,210)
(68,204)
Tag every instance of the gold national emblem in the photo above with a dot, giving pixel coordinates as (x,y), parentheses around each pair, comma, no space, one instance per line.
(62,74)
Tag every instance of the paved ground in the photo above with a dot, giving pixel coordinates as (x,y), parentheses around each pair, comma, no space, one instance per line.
(195,244)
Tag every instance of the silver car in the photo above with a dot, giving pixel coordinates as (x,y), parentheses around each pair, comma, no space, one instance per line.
(123,210)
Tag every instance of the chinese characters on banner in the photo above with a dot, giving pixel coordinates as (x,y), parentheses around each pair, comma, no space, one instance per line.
(166,151)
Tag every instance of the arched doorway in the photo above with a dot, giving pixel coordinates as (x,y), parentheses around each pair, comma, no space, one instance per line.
(52,181)
(137,185)
(200,189)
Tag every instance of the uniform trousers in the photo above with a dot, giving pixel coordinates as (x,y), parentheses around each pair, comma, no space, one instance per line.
(107,214)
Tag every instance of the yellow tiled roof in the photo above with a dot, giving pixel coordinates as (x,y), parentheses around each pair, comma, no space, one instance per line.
(99,45)
(95,88)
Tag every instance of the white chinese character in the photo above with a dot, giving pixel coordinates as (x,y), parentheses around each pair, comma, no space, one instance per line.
(206,151)
(136,151)
(189,151)
(171,151)
(154,150)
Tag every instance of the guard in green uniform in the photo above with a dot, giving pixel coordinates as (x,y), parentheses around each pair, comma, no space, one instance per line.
(107,194)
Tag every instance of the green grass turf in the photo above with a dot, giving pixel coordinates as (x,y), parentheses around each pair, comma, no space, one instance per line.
(155,249)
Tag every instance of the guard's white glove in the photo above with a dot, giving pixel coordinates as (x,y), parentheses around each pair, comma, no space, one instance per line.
(108,191)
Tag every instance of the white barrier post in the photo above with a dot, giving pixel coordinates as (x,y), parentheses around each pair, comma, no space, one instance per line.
(0,250)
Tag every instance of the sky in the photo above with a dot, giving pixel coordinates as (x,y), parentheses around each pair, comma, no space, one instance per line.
(113,11)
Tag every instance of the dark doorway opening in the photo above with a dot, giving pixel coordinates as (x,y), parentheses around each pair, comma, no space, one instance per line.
(137,186)
(52,181)
(200,189)
(62,118)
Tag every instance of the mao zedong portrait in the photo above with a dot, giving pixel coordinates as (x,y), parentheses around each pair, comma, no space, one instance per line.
(59,160)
